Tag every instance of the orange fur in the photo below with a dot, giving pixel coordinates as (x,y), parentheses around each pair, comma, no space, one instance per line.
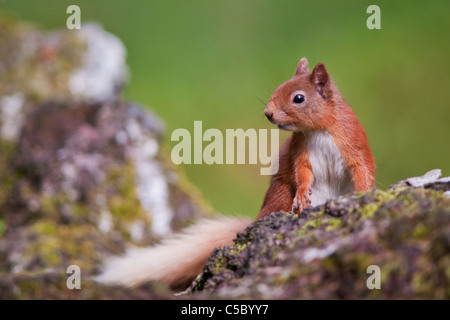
(323,110)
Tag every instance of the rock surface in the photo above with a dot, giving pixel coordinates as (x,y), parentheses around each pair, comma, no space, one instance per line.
(325,252)
(83,174)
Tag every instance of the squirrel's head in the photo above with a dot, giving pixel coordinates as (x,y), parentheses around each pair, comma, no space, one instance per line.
(305,102)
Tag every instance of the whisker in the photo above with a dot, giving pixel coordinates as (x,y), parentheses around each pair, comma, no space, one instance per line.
(378,184)
(260,100)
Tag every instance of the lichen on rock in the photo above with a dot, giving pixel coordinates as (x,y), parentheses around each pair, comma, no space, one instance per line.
(324,253)
(84,174)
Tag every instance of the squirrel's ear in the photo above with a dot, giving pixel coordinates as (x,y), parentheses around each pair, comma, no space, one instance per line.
(321,80)
(302,66)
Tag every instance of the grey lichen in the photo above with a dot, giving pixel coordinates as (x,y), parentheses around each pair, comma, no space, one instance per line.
(102,71)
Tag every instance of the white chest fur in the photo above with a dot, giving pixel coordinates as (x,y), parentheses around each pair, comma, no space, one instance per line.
(331,175)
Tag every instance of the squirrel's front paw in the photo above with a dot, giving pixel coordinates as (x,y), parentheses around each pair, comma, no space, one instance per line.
(301,200)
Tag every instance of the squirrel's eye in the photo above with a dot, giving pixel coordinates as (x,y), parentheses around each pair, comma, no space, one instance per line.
(299,98)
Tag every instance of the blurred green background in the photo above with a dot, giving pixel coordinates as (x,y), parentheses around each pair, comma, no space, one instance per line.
(210,60)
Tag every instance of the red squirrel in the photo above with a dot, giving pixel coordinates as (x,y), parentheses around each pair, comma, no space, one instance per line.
(327,155)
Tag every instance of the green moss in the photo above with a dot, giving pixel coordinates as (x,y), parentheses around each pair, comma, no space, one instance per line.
(333,223)
(420,231)
(361,261)
(241,247)
(313,223)
(379,197)
(8,177)
(51,245)
(219,265)
(45,227)
(28,287)
(368,210)
(33,75)
(421,284)
(285,277)
(2,227)
(120,187)
(46,245)
(51,205)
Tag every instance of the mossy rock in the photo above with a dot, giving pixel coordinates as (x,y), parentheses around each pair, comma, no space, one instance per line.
(83,174)
(325,252)
(78,171)
(60,64)
(58,285)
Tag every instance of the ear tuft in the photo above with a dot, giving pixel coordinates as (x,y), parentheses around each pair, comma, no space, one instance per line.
(302,67)
(321,80)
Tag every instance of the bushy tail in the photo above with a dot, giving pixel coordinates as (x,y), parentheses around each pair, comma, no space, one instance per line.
(176,261)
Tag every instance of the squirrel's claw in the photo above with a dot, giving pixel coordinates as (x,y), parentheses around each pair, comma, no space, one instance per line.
(301,201)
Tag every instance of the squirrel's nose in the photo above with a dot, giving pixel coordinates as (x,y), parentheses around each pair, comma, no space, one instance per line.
(269,114)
